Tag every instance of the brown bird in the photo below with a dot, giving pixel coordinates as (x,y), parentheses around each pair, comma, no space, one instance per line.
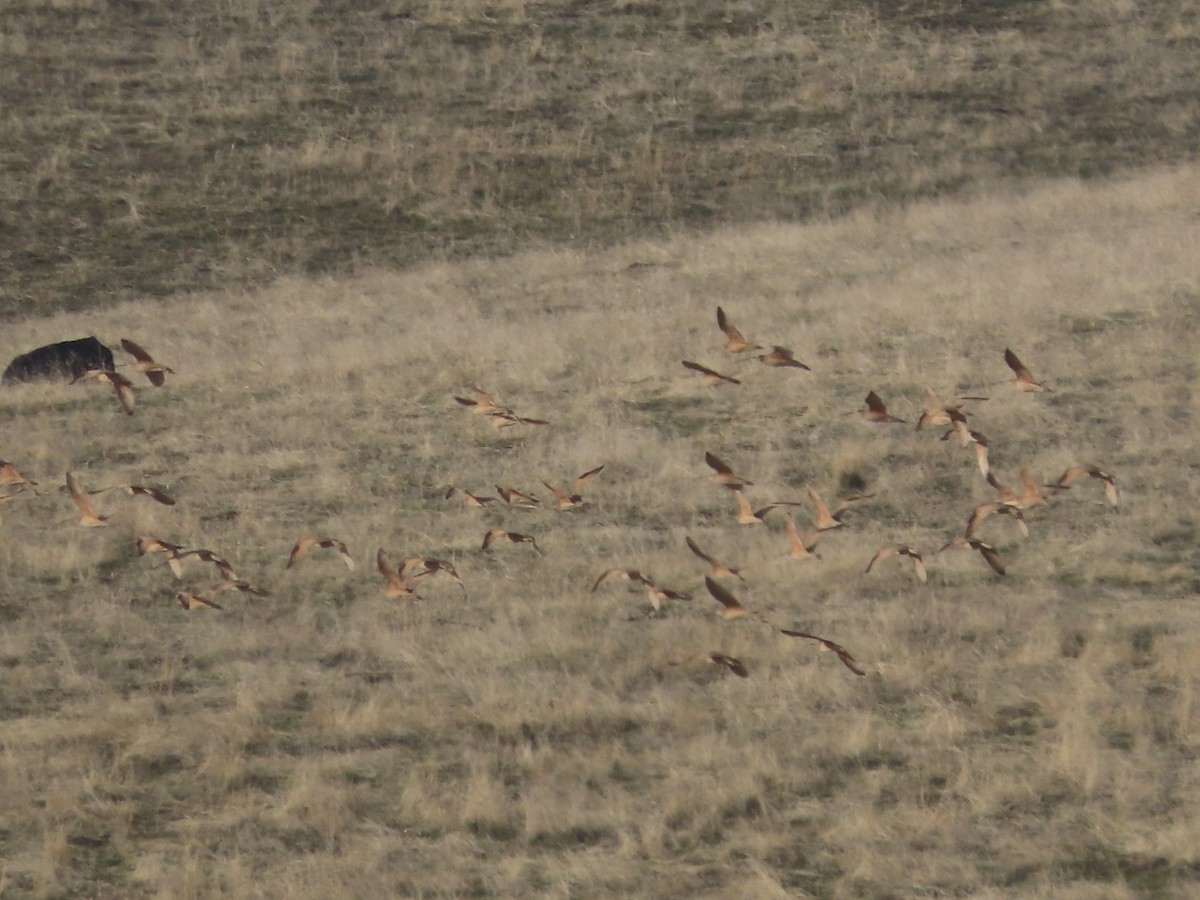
(395,585)
(483,404)
(1031,492)
(508,419)
(827,520)
(429,566)
(801,546)
(986,550)
(9,476)
(719,569)
(147,544)
(88,517)
(209,556)
(145,363)
(967,438)
(939,413)
(121,385)
(747,516)
(1024,380)
(901,550)
(829,646)
(723,474)
(987,509)
(190,601)
(730,607)
(575,498)
(513,497)
(876,411)
(497,534)
(138,490)
(469,498)
(735,342)
(619,575)
(243,586)
(305,544)
(736,666)
(657,594)
(710,376)
(1110,483)
(782,357)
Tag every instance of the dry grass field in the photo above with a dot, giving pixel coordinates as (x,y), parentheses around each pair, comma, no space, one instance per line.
(1032,735)
(153,146)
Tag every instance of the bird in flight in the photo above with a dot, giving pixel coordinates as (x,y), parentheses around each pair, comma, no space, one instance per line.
(395,585)
(10,477)
(154,372)
(1091,471)
(968,438)
(801,545)
(513,497)
(300,550)
(469,498)
(497,534)
(719,569)
(735,342)
(88,516)
(508,419)
(121,385)
(612,575)
(782,358)
(429,566)
(138,490)
(730,607)
(829,646)
(1031,492)
(483,404)
(938,413)
(826,520)
(190,601)
(876,411)
(723,474)
(575,498)
(981,512)
(900,550)
(243,586)
(736,666)
(1024,380)
(209,556)
(710,376)
(987,551)
(656,594)
(147,544)
(747,516)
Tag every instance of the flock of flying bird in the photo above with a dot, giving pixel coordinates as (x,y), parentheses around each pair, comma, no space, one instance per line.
(952,415)
(403,580)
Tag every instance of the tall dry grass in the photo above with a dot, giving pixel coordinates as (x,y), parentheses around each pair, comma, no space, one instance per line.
(156,147)
(1027,736)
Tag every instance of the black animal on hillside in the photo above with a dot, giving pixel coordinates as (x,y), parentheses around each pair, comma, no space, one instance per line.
(62,361)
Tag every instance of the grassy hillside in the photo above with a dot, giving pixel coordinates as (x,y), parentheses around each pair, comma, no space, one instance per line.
(155,146)
(1031,735)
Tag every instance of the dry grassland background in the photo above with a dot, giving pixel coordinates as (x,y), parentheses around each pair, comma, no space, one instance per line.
(152,146)
(1033,735)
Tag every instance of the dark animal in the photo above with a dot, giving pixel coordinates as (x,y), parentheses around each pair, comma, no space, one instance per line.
(64,361)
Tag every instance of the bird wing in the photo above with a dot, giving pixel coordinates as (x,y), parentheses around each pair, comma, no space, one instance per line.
(136,351)
(80,497)
(721,595)
(579,482)
(1017,366)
